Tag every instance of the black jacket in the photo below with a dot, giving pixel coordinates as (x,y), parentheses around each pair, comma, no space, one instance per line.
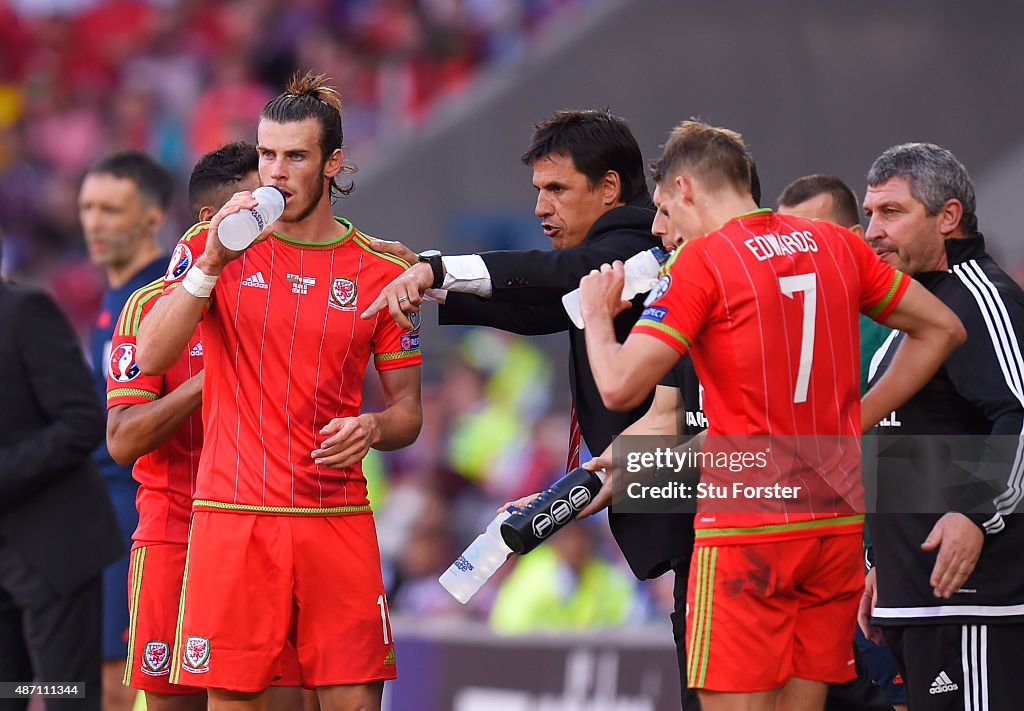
(527,288)
(54,510)
(971,460)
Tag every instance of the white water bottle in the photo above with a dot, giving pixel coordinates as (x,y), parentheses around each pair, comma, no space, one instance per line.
(478,562)
(641,275)
(238,230)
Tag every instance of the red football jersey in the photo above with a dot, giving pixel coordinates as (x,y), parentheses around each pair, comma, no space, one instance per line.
(285,353)
(767,307)
(167,475)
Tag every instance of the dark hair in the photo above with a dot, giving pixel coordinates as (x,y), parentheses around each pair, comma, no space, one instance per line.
(718,156)
(220,169)
(309,96)
(935,176)
(154,182)
(597,141)
(755,183)
(844,201)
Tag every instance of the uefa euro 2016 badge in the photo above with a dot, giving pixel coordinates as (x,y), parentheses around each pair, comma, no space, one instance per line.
(156,658)
(122,363)
(181,260)
(659,290)
(197,655)
(343,294)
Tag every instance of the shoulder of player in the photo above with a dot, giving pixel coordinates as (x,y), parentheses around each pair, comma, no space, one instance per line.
(137,305)
(976,290)
(389,262)
(196,230)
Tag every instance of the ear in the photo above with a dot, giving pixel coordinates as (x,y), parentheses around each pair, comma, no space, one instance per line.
(610,186)
(206,212)
(683,183)
(333,164)
(153,217)
(949,217)
(857,229)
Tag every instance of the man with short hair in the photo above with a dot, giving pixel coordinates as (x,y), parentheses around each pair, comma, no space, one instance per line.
(827,197)
(122,204)
(594,206)
(746,294)
(947,589)
(280,491)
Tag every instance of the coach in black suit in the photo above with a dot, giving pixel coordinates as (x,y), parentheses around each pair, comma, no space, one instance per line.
(57,527)
(593,203)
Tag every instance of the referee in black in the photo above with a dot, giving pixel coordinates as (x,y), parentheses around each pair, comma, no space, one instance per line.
(947,590)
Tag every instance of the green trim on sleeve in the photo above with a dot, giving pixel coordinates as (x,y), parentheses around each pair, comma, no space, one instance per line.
(665,329)
(131,392)
(889,295)
(395,355)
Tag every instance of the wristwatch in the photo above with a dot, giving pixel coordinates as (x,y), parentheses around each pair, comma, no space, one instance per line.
(433,258)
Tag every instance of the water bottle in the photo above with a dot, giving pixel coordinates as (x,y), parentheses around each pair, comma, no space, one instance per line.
(551,510)
(238,230)
(478,562)
(641,274)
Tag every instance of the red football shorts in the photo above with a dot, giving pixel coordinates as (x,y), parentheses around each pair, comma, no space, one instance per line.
(758,614)
(154,599)
(254,581)
(154,595)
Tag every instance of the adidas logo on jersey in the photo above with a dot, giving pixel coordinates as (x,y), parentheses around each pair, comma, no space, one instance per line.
(197,350)
(942,684)
(256,280)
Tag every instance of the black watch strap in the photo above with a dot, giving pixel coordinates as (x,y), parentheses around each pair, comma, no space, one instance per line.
(433,258)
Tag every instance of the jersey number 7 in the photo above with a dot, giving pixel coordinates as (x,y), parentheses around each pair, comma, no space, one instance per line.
(790,285)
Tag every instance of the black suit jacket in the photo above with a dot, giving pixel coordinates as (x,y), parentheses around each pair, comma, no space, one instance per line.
(527,288)
(54,510)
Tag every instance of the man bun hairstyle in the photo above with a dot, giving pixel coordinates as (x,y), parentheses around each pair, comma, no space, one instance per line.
(309,96)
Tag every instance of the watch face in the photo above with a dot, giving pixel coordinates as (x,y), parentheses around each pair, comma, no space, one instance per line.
(428,253)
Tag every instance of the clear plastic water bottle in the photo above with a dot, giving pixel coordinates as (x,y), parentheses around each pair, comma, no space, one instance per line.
(238,230)
(641,274)
(478,562)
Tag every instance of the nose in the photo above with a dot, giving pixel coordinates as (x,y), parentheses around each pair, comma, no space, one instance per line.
(659,228)
(543,207)
(874,231)
(277,169)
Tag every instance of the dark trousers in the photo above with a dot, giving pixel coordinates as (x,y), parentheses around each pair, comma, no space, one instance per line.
(681,569)
(46,637)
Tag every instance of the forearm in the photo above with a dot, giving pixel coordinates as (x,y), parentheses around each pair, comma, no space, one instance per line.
(166,330)
(396,426)
(135,430)
(603,352)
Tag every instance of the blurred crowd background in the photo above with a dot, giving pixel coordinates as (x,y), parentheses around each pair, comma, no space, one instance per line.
(80,78)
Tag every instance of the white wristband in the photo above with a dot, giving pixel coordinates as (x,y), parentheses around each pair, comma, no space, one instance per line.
(197,283)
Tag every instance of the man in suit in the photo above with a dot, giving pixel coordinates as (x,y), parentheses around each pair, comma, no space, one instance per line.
(594,206)
(57,527)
